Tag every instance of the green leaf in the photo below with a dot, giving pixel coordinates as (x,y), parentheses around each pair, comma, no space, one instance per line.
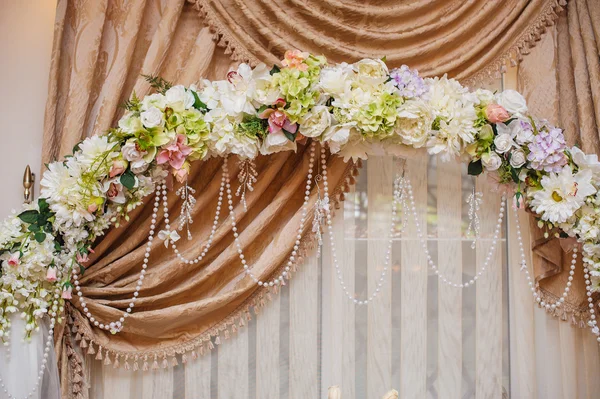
(274,70)
(514,174)
(198,104)
(291,136)
(33,228)
(261,109)
(128,179)
(384,58)
(81,270)
(475,168)
(30,216)
(40,236)
(57,246)
(43,205)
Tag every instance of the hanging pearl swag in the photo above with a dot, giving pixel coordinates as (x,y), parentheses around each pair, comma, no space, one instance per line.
(402,197)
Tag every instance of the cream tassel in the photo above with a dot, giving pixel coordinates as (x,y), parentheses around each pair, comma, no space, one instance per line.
(393,394)
(334,392)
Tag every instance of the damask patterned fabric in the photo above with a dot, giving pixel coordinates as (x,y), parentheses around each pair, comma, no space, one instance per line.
(468,40)
(561,79)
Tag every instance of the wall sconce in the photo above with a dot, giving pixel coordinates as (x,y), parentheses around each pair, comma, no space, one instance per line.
(28,185)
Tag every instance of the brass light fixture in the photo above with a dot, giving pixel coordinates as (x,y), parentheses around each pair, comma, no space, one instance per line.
(28,185)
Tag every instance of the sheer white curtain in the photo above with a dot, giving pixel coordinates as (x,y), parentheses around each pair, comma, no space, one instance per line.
(421,337)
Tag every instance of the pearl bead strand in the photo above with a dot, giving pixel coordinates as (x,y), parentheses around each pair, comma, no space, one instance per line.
(536,296)
(214,226)
(398,197)
(593,323)
(47,348)
(117,325)
(430,262)
(279,280)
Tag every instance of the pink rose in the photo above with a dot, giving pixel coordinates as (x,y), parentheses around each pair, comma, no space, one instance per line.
(67,293)
(14,259)
(118,167)
(518,203)
(496,113)
(51,274)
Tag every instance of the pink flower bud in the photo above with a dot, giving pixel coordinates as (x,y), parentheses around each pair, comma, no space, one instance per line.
(51,274)
(496,113)
(14,259)
(67,293)
(118,167)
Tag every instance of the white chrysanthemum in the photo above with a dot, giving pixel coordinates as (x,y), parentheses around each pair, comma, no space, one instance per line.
(414,123)
(57,182)
(96,151)
(562,194)
(454,106)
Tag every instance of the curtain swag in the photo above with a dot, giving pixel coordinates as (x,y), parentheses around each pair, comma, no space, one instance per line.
(472,41)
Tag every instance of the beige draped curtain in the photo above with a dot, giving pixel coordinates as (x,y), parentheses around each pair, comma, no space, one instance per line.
(561,80)
(466,39)
(100,50)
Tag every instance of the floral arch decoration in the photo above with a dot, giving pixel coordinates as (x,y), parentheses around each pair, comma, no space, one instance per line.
(351,110)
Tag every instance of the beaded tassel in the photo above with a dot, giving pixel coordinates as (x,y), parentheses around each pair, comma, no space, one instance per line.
(185,217)
(474,200)
(247,177)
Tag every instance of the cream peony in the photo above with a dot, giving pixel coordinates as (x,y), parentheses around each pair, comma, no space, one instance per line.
(414,123)
(277,142)
(154,100)
(314,123)
(178,98)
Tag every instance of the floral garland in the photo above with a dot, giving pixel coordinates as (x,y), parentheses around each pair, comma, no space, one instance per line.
(354,109)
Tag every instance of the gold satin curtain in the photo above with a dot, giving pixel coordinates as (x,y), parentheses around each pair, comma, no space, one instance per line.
(561,80)
(100,50)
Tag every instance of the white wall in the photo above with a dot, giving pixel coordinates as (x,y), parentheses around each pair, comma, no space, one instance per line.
(26,33)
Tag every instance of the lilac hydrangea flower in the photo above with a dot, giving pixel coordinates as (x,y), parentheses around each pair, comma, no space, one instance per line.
(547,151)
(408,82)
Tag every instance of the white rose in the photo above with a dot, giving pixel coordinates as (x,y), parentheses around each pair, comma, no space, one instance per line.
(130,123)
(154,100)
(517,158)
(153,117)
(316,121)
(414,123)
(503,142)
(138,166)
(178,97)
(277,142)
(491,161)
(131,152)
(512,101)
